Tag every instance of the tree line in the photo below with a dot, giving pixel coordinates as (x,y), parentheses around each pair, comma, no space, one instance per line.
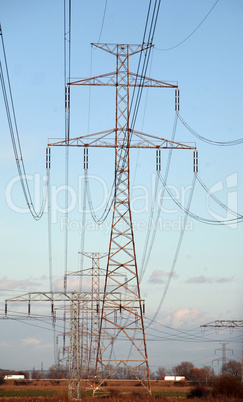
(201,376)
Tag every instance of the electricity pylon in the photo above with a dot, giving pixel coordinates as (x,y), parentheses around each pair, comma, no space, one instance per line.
(227,324)
(90,312)
(223,359)
(121,334)
(74,348)
(72,302)
(89,316)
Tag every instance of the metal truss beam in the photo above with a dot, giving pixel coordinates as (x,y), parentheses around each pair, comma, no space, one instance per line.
(136,80)
(224,324)
(106,139)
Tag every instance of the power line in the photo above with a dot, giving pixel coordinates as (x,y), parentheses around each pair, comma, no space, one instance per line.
(147,38)
(197,217)
(177,249)
(14,133)
(216,199)
(198,26)
(148,247)
(209,141)
(103,20)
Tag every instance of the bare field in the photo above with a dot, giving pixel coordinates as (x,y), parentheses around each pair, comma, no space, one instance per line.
(62,385)
(130,391)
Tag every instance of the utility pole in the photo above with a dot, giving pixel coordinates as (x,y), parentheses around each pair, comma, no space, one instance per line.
(121,339)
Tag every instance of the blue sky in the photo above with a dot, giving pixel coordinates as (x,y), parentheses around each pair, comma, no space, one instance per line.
(207,284)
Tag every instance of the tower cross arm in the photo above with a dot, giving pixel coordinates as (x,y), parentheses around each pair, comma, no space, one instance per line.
(224,323)
(135,139)
(121,48)
(135,80)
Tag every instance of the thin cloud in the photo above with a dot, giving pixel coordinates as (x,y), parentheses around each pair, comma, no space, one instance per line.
(157,276)
(74,283)
(204,279)
(223,280)
(30,341)
(186,317)
(12,284)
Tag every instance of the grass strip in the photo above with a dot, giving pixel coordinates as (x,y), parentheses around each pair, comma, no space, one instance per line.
(170,394)
(20,393)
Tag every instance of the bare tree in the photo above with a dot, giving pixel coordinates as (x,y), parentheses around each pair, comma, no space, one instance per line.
(232,368)
(55,373)
(37,375)
(208,374)
(184,369)
(161,372)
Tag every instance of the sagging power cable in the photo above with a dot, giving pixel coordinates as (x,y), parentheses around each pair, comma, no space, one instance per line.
(239,219)
(198,26)
(108,206)
(103,20)
(207,140)
(216,199)
(14,133)
(172,270)
(151,233)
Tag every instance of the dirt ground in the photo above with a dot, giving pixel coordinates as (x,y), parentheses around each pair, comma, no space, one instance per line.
(62,385)
(129,391)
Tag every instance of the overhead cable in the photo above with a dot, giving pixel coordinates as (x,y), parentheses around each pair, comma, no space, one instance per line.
(198,26)
(103,20)
(14,133)
(147,39)
(151,233)
(148,36)
(216,199)
(177,249)
(100,220)
(211,142)
(197,217)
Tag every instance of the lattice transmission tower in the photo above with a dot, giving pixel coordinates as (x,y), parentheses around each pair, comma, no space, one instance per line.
(226,324)
(121,339)
(90,311)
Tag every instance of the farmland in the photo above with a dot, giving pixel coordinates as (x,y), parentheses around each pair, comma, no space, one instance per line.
(56,390)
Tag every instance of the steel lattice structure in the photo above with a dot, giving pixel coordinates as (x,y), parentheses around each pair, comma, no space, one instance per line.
(74,348)
(121,331)
(224,324)
(90,313)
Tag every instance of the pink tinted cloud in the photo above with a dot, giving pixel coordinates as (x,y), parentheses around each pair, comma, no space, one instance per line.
(204,279)
(185,317)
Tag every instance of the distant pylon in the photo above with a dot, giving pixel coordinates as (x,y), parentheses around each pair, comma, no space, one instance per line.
(74,349)
(90,312)
(227,324)
(223,359)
